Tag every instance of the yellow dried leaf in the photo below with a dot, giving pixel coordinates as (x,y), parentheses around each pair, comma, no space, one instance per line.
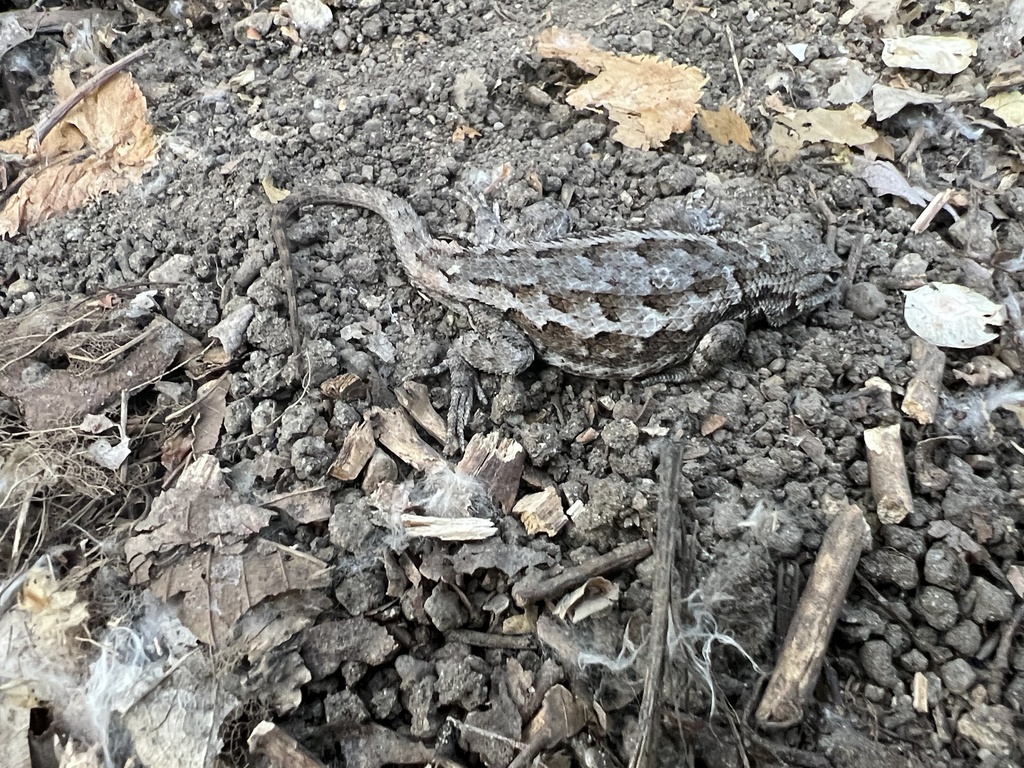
(648,97)
(795,128)
(109,127)
(463,132)
(274,194)
(724,126)
(1008,107)
(945,54)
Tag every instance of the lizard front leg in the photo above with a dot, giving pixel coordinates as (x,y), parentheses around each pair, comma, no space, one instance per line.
(492,345)
(716,348)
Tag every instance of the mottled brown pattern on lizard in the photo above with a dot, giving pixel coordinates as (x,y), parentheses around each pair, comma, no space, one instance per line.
(620,305)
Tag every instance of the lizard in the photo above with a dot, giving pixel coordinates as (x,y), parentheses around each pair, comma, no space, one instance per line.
(662,305)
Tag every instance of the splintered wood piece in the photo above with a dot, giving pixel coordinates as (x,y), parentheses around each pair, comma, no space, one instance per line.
(562,715)
(541,512)
(355,452)
(279,748)
(887,467)
(556,586)
(669,525)
(800,660)
(345,387)
(922,398)
(448,528)
(414,397)
(497,462)
(398,435)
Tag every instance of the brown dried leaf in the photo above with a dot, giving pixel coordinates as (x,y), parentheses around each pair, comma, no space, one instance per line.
(725,125)
(220,585)
(795,128)
(111,124)
(648,97)
(200,508)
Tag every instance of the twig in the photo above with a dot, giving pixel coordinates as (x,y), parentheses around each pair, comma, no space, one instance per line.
(620,557)
(492,639)
(804,649)
(732,49)
(668,532)
(94,82)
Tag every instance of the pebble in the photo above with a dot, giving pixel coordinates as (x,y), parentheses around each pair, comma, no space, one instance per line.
(958,676)
(937,607)
(945,567)
(876,658)
(990,602)
(865,300)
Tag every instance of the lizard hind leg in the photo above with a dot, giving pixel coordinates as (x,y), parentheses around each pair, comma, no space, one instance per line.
(717,347)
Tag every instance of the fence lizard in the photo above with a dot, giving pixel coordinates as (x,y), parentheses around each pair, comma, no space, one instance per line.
(620,305)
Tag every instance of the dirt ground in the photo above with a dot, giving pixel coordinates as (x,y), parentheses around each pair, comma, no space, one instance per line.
(388,664)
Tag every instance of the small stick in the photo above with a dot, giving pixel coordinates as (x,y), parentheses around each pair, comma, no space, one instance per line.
(887,467)
(668,532)
(922,398)
(93,83)
(492,639)
(803,651)
(279,748)
(732,49)
(620,557)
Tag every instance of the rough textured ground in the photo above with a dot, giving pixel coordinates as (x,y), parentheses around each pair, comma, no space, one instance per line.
(376,99)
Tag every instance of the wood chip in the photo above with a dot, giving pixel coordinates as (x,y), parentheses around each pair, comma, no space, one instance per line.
(922,398)
(355,452)
(497,462)
(541,512)
(888,469)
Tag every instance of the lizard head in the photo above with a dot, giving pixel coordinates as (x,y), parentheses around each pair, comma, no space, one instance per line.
(813,279)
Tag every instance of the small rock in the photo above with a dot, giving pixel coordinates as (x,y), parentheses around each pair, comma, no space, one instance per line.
(865,301)
(964,638)
(459,683)
(762,472)
(990,727)
(885,566)
(990,602)
(914,661)
(937,607)
(621,435)
(958,676)
(325,646)
(311,457)
(644,41)
(945,567)
(445,610)
(876,658)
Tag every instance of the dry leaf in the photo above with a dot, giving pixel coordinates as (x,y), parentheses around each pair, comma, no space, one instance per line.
(870,11)
(1008,107)
(851,87)
(109,126)
(888,101)
(884,178)
(950,315)
(463,132)
(220,583)
(595,596)
(274,194)
(795,128)
(945,54)
(724,126)
(648,97)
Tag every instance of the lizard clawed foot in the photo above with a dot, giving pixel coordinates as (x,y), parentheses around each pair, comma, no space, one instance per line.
(463,385)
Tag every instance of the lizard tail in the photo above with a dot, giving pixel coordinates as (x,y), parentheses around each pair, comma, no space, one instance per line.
(411,238)
(408,229)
